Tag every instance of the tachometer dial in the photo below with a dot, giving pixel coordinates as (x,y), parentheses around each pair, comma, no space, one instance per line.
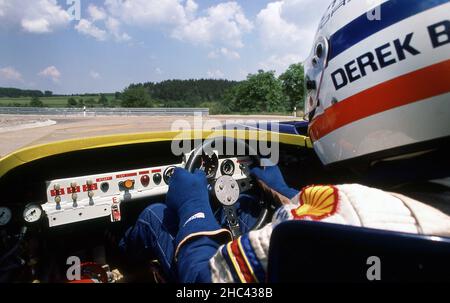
(168,173)
(227,167)
(5,216)
(32,213)
(209,165)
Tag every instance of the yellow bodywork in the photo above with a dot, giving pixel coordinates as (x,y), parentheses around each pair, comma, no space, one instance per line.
(37,152)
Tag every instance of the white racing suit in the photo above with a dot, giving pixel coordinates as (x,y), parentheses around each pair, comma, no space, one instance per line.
(245,259)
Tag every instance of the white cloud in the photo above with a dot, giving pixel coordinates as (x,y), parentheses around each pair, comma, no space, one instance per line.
(287,29)
(191,8)
(158,71)
(96,13)
(113,27)
(51,72)
(88,28)
(216,74)
(213,55)
(33,16)
(94,75)
(2,8)
(148,12)
(110,28)
(10,73)
(279,63)
(276,33)
(44,16)
(304,13)
(219,26)
(225,52)
(223,24)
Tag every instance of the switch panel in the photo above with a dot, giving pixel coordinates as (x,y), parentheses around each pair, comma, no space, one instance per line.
(104,185)
(86,197)
(83,198)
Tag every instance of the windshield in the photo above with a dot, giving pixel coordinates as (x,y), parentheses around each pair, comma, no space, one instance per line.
(91,68)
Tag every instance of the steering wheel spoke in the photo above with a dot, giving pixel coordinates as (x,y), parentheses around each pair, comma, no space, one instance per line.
(226,190)
(232,220)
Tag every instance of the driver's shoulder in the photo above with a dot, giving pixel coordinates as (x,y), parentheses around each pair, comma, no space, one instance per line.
(360,205)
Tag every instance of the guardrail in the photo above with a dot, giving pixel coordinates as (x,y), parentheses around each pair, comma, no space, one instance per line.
(45,111)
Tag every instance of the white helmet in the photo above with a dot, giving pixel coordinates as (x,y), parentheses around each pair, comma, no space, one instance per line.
(378,79)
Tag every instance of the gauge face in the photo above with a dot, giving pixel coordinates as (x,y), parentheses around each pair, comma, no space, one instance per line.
(32,213)
(5,216)
(209,164)
(168,173)
(227,167)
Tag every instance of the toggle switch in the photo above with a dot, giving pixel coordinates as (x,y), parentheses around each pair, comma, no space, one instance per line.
(73,187)
(58,202)
(90,192)
(74,199)
(58,193)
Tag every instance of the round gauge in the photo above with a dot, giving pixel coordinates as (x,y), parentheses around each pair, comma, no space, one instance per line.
(227,167)
(168,173)
(209,165)
(5,216)
(32,213)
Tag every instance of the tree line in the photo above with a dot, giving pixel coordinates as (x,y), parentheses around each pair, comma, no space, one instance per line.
(75,101)
(10,92)
(91,101)
(175,93)
(264,92)
(260,92)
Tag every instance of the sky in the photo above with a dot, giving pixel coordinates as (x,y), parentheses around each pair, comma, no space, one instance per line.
(91,46)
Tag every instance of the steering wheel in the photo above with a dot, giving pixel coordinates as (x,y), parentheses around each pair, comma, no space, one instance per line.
(225,189)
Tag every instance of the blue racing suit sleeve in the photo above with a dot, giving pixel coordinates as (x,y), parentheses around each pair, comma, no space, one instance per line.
(193,260)
(199,235)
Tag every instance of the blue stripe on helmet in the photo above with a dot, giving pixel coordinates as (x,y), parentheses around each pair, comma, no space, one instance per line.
(391,12)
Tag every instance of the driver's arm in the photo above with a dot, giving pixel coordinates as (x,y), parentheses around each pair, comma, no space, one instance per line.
(199,235)
(272,183)
(201,259)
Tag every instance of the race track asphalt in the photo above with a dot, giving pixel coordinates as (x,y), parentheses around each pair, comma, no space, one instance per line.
(15,137)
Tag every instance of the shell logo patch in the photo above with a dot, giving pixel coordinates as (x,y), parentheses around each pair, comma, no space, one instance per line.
(317,202)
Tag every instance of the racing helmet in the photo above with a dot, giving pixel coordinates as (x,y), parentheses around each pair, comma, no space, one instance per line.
(378,79)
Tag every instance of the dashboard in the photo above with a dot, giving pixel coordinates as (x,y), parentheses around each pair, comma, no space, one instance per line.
(49,205)
(80,198)
(113,183)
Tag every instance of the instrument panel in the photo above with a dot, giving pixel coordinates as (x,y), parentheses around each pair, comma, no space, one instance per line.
(86,197)
(82,198)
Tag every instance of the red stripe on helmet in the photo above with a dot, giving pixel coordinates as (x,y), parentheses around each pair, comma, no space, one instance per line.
(409,88)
